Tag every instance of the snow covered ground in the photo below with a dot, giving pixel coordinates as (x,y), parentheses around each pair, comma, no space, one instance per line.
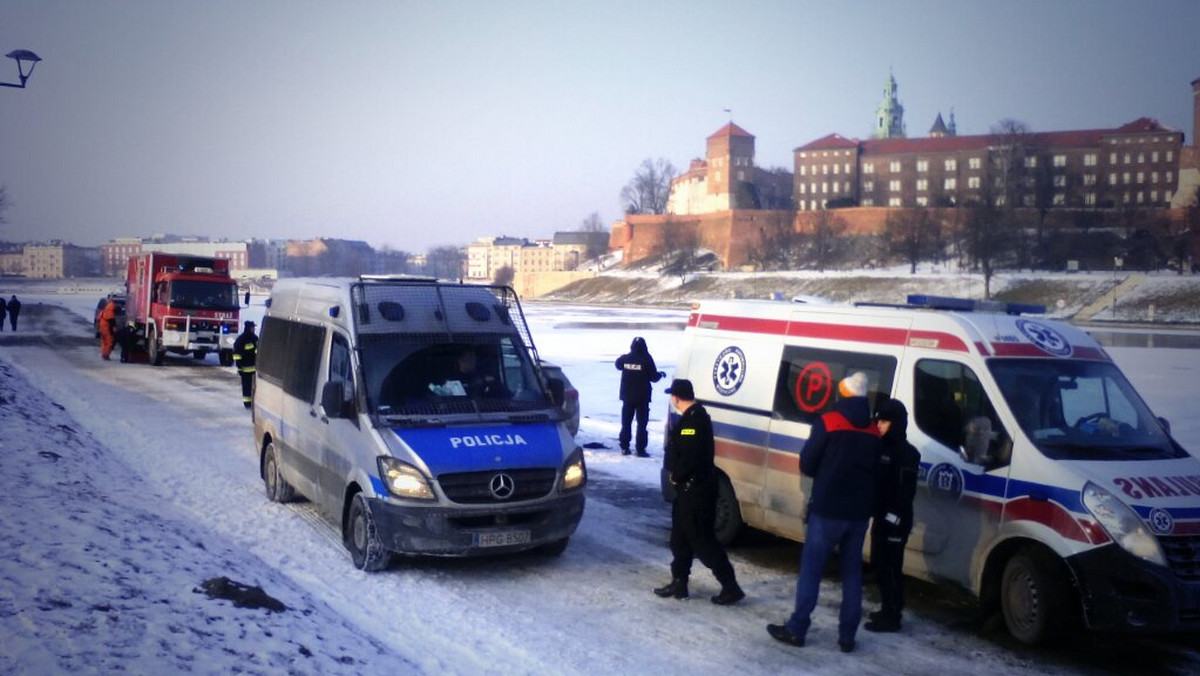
(124,488)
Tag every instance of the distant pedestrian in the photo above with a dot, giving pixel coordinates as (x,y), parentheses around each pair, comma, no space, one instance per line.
(638,371)
(689,463)
(247,297)
(14,310)
(840,455)
(3,313)
(895,487)
(245,357)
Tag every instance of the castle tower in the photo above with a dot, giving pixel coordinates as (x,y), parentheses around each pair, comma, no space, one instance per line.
(730,159)
(889,117)
(938,130)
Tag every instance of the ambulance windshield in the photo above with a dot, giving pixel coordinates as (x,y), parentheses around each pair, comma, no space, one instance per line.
(1081,410)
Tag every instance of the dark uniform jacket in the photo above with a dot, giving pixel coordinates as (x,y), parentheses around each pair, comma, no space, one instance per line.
(896,478)
(689,452)
(840,455)
(245,352)
(637,372)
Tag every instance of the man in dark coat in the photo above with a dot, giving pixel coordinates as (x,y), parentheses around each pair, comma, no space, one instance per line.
(895,487)
(14,310)
(689,462)
(245,356)
(840,455)
(637,372)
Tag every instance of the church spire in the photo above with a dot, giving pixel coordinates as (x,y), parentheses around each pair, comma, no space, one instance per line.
(889,117)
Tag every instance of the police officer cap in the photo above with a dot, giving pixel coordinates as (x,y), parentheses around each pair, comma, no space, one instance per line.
(682,388)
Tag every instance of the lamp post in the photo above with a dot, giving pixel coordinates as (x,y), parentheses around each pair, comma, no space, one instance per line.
(22,56)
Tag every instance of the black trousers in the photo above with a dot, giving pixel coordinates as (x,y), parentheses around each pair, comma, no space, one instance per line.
(887,558)
(247,387)
(693,537)
(628,411)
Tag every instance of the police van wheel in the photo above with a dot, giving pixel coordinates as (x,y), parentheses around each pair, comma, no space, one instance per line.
(728,524)
(278,489)
(361,538)
(1033,596)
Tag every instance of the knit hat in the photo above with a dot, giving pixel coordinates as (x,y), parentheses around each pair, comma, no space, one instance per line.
(853,385)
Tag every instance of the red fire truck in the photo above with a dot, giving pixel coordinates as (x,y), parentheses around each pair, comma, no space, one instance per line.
(182,304)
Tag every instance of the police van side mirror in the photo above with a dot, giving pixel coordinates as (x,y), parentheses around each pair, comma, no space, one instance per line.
(333,399)
(1166,424)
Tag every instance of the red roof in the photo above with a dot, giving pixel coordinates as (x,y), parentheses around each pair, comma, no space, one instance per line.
(731,129)
(830,142)
(1142,124)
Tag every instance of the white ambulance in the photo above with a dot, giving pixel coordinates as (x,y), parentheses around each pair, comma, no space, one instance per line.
(1047,486)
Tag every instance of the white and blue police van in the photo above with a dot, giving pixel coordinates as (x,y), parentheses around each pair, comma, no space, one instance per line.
(1048,488)
(413,413)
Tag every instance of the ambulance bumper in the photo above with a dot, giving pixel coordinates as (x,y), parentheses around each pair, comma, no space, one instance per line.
(1121,592)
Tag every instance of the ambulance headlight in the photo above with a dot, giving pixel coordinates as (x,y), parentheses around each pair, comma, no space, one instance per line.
(574,471)
(403,480)
(1122,524)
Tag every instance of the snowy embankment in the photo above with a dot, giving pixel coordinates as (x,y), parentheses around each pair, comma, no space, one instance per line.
(124,488)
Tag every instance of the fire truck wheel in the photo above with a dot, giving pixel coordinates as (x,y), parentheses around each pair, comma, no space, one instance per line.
(361,538)
(278,489)
(728,523)
(1033,596)
(156,352)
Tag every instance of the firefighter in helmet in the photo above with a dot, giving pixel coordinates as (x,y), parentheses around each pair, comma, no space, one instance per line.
(245,353)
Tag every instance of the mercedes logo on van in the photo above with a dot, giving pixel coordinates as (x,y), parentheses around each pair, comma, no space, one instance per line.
(502,486)
(1045,338)
(729,370)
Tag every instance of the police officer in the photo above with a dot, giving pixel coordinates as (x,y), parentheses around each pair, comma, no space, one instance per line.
(891,522)
(689,462)
(637,372)
(245,353)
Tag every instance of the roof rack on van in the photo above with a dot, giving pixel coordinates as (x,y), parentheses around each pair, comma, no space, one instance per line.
(926,302)
(396,278)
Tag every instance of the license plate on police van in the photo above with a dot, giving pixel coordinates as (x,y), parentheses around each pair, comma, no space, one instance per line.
(502,538)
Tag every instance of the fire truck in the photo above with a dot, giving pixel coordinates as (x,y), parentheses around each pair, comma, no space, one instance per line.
(183,305)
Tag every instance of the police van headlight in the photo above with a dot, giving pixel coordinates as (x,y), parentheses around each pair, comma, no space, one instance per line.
(403,480)
(1122,524)
(574,471)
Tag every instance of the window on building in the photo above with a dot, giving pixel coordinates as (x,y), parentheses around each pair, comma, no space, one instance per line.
(1169,176)
(803,191)
(868,202)
(973,163)
(824,188)
(1059,199)
(922,166)
(1027,200)
(837,168)
(1089,179)
(1141,158)
(1112,179)
(1154,156)
(922,184)
(893,201)
(922,201)
(1125,178)
(803,170)
(1001,200)
(1153,195)
(1060,160)
(836,187)
(868,186)
(952,164)
(1060,181)
(1141,197)
(824,169)
(1089,199)
(1141,177)
(894,186)
(1089,160)
(846,167)
(1166,195)
(1112,158)
(951,184)
(973,182)
(1170,155)
(1031,162)
(1128,158)
(868,167)
(894,166)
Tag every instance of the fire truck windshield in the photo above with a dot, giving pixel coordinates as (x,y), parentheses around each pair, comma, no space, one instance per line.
(197,295)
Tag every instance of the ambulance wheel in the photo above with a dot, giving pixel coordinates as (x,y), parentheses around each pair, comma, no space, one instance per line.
(278,489)
(1033,596)
(555,548)
(361,538)
(728,524)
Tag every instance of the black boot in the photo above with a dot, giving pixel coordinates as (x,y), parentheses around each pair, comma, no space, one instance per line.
(729,595)
(676,588)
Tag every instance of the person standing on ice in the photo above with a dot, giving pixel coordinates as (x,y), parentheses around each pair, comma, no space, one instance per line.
(245,359)
(895,487)
(14,310)
(638,371)
(689,463)
(108,326)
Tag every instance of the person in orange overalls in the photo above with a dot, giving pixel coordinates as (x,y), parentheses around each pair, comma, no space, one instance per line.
(108,318)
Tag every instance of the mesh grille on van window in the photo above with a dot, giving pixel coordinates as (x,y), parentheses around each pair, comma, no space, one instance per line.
(475,487)
(1183,555)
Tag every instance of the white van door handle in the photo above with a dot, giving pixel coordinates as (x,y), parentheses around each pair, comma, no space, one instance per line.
(313,412)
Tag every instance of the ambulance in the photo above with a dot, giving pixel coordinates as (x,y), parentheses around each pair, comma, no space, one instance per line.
(415,415)
(1048,489)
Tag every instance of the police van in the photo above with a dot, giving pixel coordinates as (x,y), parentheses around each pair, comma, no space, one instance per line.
(414,413)
(1047,487)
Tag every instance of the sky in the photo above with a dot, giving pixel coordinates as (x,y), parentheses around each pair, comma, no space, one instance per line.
(419,124)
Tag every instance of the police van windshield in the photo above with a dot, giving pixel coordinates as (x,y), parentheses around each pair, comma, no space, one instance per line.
(190,294)
(1081,410)
(429,376)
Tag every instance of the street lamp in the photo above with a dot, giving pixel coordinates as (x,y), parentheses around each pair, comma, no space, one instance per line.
(21,56)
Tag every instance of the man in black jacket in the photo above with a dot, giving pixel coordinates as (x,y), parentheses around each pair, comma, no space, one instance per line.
(689,462)
(895,486)
(637,372)
(14,311)
(245,358)
(840,455)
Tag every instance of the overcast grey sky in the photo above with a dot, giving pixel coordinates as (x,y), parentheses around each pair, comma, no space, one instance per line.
(416,124)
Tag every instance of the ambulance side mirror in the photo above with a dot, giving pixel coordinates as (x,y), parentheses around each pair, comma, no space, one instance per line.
(333,399)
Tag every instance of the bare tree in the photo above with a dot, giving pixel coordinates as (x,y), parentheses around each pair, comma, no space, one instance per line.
(597,246)
(824,240)
(444,262)
(648,190)
(911,234)
(678,248)
(5,203)
(504,275)
(777,245)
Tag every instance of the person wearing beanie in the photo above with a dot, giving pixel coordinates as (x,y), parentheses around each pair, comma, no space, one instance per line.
(689,464)
(895,487)
(638,371)
(840,455)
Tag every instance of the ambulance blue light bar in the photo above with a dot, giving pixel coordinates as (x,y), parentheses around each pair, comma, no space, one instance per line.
(972,305)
